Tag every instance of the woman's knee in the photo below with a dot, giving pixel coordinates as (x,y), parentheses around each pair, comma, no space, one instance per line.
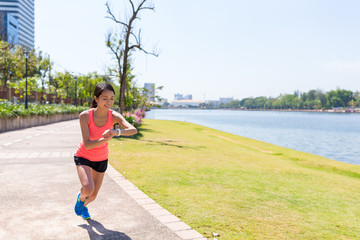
(88,189)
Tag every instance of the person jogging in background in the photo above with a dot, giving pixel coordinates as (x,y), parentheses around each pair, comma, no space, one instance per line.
(91,157)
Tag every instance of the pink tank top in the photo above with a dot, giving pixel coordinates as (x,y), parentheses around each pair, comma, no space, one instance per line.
(101,152)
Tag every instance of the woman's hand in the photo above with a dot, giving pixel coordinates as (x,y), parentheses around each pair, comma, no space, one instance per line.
(108,134)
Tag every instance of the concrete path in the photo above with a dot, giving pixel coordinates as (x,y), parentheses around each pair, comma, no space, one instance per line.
(39,185)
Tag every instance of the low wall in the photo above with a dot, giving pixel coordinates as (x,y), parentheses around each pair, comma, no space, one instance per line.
(9,124)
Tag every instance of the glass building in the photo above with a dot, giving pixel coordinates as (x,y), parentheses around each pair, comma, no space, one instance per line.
(9,28)
(23,11)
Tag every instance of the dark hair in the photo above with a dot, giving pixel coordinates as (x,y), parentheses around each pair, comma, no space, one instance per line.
(100,87)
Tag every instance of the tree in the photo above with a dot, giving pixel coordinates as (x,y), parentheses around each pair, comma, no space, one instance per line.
(122,44)
(86,84)
(339,98)
(314,99)
(233,104)
(242,102)
(7,62)
(12,63)
(269,103)
(19,86)
(357,99)
(65,85)
(260,102)
(43,66)
(249,103)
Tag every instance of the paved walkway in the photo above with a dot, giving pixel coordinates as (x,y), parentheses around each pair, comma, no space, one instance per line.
(39,185)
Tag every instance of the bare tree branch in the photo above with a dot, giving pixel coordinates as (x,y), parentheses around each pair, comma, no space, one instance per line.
(136,39)
(112,17)
(109,45)
(140,5)
(134,46)
(150,8)
(132,6)
(150,53)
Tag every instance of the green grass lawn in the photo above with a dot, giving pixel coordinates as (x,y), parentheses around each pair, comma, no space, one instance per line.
(239,187)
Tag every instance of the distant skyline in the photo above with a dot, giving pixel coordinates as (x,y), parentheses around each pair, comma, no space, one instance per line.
(213,49)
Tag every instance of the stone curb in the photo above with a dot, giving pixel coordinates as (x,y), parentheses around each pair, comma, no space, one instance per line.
(16,123)
(180,228)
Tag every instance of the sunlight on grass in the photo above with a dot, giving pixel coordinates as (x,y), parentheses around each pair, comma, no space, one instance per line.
(239,187)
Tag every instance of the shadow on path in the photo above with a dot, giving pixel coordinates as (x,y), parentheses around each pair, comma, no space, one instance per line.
(101,232)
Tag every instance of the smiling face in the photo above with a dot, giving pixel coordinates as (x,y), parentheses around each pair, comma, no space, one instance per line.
(105,100)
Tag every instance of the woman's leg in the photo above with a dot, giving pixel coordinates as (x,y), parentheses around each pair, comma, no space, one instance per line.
(97,180)
(86,180)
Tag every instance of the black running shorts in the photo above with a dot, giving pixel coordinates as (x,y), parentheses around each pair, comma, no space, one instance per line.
(100,166)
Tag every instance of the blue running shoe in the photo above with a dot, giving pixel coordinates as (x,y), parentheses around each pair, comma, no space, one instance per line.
(85,214)
(79,206)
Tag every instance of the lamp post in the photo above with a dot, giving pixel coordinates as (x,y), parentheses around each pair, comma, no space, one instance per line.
(8,83)
(76,91)
(26,55)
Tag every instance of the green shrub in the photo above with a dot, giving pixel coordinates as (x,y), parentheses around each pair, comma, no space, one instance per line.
(17,110)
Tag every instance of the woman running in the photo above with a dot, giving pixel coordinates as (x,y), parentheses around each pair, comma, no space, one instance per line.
(91,157)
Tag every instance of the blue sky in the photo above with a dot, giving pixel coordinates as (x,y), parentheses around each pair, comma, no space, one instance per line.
(213,49)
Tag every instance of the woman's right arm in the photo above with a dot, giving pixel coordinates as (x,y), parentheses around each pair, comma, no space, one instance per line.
(84,120)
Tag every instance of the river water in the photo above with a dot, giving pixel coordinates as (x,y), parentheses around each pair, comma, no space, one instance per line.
(332,135)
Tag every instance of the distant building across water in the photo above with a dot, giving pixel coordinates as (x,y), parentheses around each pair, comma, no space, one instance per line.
(150,88)
(216,103)
(179,96)
(186,103)
(226,100)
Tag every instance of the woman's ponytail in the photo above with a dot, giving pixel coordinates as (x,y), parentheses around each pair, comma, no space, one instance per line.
(93,104)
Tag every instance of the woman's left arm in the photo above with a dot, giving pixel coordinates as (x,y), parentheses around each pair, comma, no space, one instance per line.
(127,130)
